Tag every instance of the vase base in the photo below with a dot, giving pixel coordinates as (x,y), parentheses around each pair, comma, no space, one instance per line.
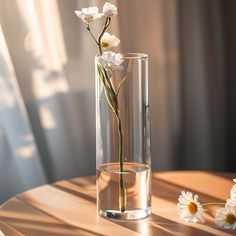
(127,215)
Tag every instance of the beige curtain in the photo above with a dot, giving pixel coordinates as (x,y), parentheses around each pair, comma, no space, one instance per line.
(185,43)
(47,118)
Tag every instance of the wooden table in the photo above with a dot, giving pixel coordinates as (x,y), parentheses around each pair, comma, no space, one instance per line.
(69,208)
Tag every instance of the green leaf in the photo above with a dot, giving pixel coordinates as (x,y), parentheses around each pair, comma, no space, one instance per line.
(109,92)
(122,81)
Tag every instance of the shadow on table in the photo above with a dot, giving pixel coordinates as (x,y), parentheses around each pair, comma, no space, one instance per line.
(42,223)
(157,225)
(90,180)
(154,224)
(74,192)
(6,229)
(171,191)
(38,228)
(35,221)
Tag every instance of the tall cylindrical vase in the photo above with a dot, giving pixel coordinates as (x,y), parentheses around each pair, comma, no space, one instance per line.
(123,158)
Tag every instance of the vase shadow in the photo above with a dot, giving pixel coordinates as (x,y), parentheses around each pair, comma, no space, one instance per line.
(158,225)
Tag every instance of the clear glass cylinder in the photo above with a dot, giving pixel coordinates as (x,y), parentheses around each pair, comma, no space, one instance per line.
(123,158)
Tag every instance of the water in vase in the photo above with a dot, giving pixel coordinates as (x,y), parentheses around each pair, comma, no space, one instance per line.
(136,178)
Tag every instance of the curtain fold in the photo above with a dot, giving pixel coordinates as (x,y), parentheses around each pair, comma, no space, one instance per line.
(21,165)
(203,84)
(47,109)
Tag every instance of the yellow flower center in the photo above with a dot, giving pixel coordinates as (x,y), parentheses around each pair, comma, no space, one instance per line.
(105,45)
(230,218)
(192,208)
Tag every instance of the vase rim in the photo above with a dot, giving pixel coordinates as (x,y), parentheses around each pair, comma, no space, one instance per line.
(132,55)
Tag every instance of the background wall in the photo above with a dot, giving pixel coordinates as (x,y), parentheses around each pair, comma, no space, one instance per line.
(47,110)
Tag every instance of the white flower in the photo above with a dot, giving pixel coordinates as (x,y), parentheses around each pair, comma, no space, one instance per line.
(231,203)
(233,192)
(109,41)
(88,14)
(189,208)
(109,10)
(111,60)
(226,217)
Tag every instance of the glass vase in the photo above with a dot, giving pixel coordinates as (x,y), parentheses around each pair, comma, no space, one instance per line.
(123,159)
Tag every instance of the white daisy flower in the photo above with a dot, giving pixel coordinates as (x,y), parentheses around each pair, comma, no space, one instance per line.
(109,10)
(233,192)
(189,208)
(226,217)
(231,203)
(88,14)
(111,60)
(109,41)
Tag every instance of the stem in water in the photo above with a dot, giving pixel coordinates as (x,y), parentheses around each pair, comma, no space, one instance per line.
(122,197)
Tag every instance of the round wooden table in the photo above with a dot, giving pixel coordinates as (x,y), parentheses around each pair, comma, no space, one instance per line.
(69,208)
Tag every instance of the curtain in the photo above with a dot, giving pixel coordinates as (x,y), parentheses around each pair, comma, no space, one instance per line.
(47,98)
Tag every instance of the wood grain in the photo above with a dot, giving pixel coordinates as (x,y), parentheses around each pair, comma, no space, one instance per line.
(69,208)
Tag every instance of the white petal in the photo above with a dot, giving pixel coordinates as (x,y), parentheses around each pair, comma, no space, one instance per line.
(201,218)
(184,214)
(190,195)
(78,13)
(181,206)
(107,56)
(90,10)
(231,203)
(110,40)
(183,193)
(195,198)
(184,197)
(116,42)
(106,36)
(112,60)
(109,10)
(222,211)
(118,59)
(220,224)
(228,226)
(183,200)
(93,10)
(88,14)
(233,192)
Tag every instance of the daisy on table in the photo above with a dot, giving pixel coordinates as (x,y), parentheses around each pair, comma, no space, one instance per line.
(226,217)
(189,208)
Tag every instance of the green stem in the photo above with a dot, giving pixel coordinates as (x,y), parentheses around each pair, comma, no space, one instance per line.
(116,109)
(213,204)
(122,198)
(89,30)
(109,83)
(112,99)
(107,23)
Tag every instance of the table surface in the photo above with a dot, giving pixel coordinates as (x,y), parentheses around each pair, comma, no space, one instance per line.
(68,207)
